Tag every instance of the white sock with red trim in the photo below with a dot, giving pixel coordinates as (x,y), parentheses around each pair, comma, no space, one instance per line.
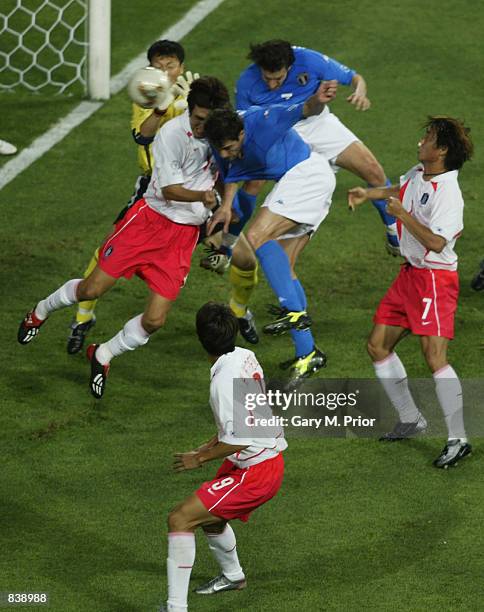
(449,393)
(132,336)
(62,297)
(224,548)
(393,377)
(181,557)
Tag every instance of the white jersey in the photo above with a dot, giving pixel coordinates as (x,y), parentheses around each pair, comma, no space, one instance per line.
(180,159)
(438,205)
(239,364)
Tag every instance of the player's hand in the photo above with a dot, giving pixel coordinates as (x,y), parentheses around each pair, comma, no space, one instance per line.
(183,83)
(167,99)
(356,196)
(186,461)
(222,215)
(327,91)
(209,199)
(394,207)
(359,101)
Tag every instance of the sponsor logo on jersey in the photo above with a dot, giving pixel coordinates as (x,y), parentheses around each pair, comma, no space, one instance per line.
(287,96)
(108,252)
(303,78)
(175,164)
(424,199)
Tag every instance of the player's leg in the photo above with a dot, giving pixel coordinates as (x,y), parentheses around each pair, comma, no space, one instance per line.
(391,373)
(449,393)
(243,279)
(182,522)
(135,333)
(262,236)
(85,318)
(71,292)
(308,358)
(358,159)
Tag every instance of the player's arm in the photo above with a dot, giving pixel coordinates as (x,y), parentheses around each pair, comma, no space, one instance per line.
(315,104)
(182,194)
(224,213)
(358,195)
(426,237)
(196,458)
(359,97)
(329,68)
(151,125)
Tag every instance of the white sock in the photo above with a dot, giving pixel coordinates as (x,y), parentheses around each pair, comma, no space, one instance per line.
(181,556)
(62,297)
(393,377)
(129,338)
(449,393)
(224,548)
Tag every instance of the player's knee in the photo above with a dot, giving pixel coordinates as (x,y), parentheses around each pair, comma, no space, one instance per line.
(177,520)
(244,257)
(256,237)
(89,290)
(152,322)
(435,358)
(376,350)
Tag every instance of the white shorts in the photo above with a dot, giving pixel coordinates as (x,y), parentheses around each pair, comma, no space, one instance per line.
(303,195)
(325,134)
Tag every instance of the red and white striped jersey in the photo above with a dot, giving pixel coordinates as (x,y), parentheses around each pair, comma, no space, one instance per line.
(437,204)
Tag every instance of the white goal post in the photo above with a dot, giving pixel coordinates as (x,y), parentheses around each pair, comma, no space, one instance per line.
(56,45)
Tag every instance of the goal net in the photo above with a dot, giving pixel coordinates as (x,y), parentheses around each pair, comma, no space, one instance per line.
(51,45)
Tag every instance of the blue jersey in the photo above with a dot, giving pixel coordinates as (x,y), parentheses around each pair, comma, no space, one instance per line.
(302,81)
(270,147)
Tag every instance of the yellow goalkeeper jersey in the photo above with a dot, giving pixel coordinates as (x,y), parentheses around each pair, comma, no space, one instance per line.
(139,114)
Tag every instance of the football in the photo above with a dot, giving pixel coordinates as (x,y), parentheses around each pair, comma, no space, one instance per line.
(149,86)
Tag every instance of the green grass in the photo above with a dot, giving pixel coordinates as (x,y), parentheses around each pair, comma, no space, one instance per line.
(87,486)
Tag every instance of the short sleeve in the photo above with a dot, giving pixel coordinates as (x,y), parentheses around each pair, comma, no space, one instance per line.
(222,401)
(328,69)
(447,218)
(168,153)
(242,99)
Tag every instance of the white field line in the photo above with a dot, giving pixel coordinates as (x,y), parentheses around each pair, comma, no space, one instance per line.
(85,109)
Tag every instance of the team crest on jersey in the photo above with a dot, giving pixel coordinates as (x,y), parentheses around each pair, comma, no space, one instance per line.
(424,199)
(108,252)
(303,78)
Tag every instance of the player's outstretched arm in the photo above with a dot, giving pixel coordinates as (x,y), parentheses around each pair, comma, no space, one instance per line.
(359,97)
(196,458)
(315,104)
(358,195)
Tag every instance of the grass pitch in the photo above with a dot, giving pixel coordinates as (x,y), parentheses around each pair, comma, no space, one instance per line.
(87,485)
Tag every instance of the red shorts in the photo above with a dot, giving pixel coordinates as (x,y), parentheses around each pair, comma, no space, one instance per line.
(421,300)
(151,246)
(236,492)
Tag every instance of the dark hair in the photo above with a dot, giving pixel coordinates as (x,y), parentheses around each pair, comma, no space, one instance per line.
(222,125)
(272,55)
(166,48)
(208,92)
(217,328)
(453,134)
